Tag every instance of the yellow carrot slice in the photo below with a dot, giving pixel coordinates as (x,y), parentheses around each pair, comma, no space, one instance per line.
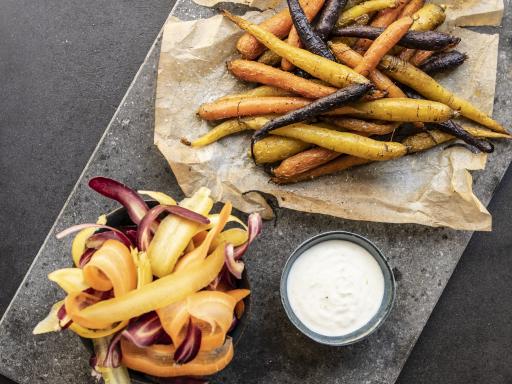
(69,279)
(78,245)
(174,233)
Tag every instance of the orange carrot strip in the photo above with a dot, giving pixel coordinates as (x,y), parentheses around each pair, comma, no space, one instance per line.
(383,44)
(250,107)
(420,57)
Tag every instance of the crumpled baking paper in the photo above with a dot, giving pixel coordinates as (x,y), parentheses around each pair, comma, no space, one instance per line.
(432,188)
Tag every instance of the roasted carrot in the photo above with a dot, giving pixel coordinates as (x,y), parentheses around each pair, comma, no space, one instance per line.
(425,85)
(343,142)
(415,143)
(250,106)
(363,125)
(276,148)
(411,7)
(341,97)
(383,44)
(319,67)
(428,18)
(304,161)
(364,8)
(350,57)
(260,73)
(293,37)
(339,164)
(420,57)
(263,91)
(397,109)
(328,17)
(443,61)
(269,58)
(430,40)
(457,131)
(383,19)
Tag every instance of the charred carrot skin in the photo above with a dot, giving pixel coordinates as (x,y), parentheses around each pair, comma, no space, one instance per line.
(457,131)
(427,40)
(443,61)
(328,17)
(294,38)
(343,96)
(309,38)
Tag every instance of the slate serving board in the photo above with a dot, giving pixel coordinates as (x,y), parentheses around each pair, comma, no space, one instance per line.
(272,350)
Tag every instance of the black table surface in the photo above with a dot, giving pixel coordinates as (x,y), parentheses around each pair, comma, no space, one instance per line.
(65,67)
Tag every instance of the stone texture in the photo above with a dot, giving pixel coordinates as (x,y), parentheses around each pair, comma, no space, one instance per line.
(272,350)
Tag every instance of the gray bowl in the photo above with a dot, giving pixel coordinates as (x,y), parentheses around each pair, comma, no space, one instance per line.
(384,309)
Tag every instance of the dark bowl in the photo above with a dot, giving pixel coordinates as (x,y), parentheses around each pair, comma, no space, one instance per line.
(119,217)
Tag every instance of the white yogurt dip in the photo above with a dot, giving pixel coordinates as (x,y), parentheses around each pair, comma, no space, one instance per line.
(335,287)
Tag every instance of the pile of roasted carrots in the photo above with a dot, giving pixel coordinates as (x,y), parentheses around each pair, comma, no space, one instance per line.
(344,84)
(160,294)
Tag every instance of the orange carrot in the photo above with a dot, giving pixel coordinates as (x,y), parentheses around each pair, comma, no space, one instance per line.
(383,19)
(383,44)
(293,37)
(260,73)
(224,109)
(279,25)
(411,8)
(335,165)
(420,56)
(351,58)
(304,161)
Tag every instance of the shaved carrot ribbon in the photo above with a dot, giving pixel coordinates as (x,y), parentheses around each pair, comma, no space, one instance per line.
(201,251)
(158,360)
(157,294)
(69,279)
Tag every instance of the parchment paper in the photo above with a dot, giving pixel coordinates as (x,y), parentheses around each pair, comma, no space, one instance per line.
(432,188)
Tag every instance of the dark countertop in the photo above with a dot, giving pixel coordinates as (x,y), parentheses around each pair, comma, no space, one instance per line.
(66,68)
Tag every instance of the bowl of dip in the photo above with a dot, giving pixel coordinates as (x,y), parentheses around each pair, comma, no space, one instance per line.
(337,288)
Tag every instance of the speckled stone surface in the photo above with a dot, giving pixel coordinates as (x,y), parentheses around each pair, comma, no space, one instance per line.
(272,350)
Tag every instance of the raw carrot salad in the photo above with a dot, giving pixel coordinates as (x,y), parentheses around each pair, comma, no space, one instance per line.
(161,294)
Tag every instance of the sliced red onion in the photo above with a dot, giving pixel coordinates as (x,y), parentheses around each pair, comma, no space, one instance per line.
(100,295)
(189,347)
(144,231)
(127,197)
(79,227)
(235,267)
(255,225)
(131,233)
(224,277)
(97,240)
(145,330)
(86,257)
(64,320)
(113,355)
